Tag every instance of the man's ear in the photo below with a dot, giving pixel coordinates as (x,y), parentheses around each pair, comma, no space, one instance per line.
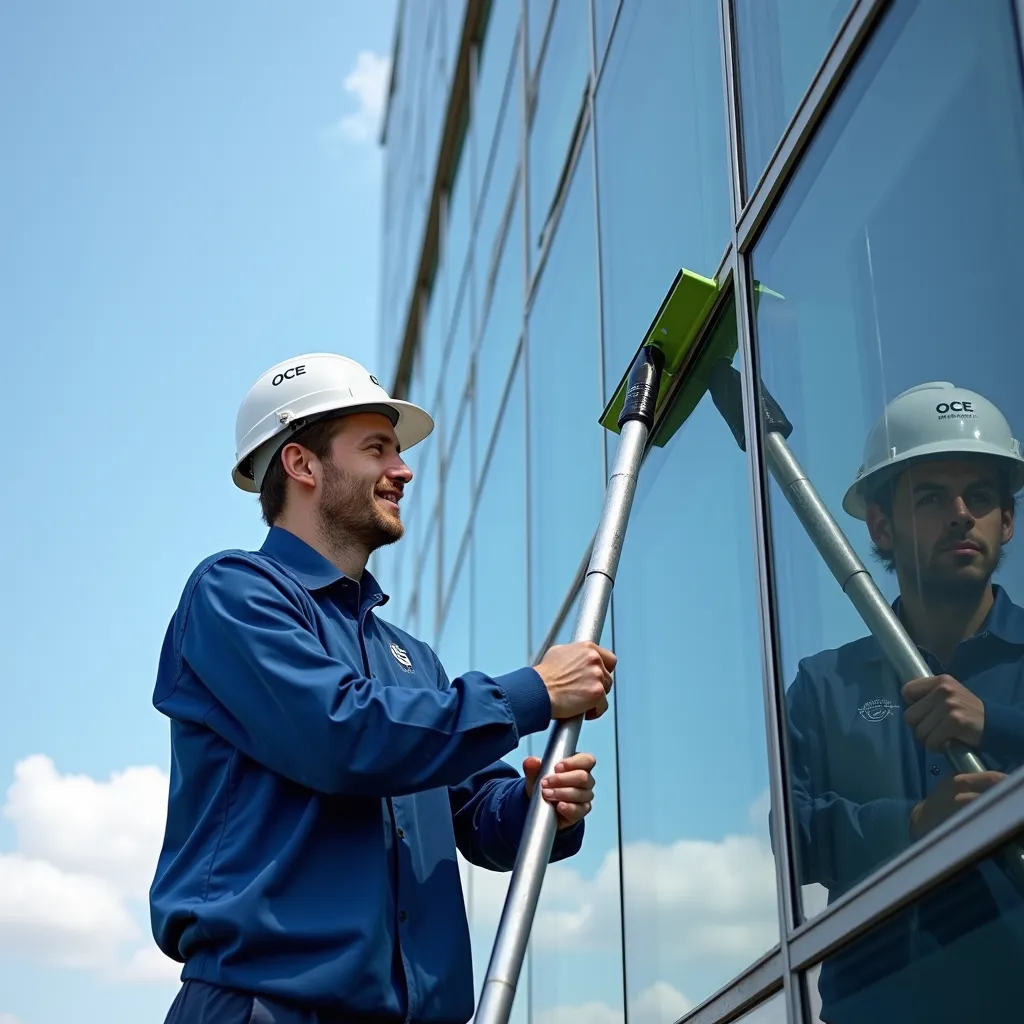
(1008,520)
(880,529)
(298,464)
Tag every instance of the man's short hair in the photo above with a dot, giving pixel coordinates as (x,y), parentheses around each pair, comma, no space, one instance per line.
(317,437)
(885,496)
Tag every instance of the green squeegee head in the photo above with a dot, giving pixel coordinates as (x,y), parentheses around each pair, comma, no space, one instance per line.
(674,329)
(680,321)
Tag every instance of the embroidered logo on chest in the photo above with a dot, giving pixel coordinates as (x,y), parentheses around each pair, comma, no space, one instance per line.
(877,710)
(402,658)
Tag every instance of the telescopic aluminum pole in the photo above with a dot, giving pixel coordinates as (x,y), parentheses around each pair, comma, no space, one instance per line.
(517,916)
(837,553)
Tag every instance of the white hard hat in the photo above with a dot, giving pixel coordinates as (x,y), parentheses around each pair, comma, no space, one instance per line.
(298,391)
(929,421)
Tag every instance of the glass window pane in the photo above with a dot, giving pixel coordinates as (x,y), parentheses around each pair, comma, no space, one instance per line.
(457,491)
(454,16)
(410,621)
(453,649)
(952,956)
(409,548)
(895,262)
(700,892)
(421,494)
(781,44)
(566,471)
(382,565)
(771,1011)
(498,50)
(499,636)
(457,362)
(604,15)
(460,210)
(537,13)
(560,83)
(576,941)
(498,182)
(501,643)
(435,326)
(435,93)
(428,589)
(502,329)
(669,209)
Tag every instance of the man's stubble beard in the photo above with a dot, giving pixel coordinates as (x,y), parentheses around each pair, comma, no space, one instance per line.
(348,514)
(940,584)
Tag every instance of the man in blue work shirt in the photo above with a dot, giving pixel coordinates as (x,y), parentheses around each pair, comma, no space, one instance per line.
(323,768)
(937,489)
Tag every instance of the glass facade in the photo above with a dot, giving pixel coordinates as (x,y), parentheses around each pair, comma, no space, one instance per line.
(785,826)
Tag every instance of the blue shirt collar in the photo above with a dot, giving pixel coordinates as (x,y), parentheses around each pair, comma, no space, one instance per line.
(1005,620)
(311,568)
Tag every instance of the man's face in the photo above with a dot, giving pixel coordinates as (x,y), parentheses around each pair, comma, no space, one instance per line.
(947,529)
(363,482)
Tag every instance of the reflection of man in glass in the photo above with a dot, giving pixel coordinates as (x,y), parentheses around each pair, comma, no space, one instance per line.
(937,490)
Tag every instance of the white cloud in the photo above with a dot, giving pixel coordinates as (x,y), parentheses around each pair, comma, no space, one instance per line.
(587,1013)
(73,920)
(8,1018)
(74,890)
(658,1004)
(108,829)
(691,900)
(148,965)
(366,83)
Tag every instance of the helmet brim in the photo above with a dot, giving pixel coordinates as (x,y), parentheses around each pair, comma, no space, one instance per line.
(856,499)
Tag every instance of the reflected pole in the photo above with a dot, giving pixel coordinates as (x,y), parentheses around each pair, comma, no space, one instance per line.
(836,551)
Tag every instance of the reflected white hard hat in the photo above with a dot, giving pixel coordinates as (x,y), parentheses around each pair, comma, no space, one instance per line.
(294,393)
(930,421)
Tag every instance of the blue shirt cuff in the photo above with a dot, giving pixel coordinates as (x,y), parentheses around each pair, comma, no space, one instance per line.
(1004,733)
(527,696)
(568,842)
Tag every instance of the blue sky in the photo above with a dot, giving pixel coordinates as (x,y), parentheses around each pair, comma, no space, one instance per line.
(190,193)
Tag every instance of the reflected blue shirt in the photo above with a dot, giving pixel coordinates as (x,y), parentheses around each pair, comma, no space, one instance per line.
(323,772)
(857,770)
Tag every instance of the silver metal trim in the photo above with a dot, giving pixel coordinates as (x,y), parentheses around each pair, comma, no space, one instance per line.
(601,59)
(979,829)
(786,890)
(831,74)
(760,981)
(532,74)
(731,94)
(726,265)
